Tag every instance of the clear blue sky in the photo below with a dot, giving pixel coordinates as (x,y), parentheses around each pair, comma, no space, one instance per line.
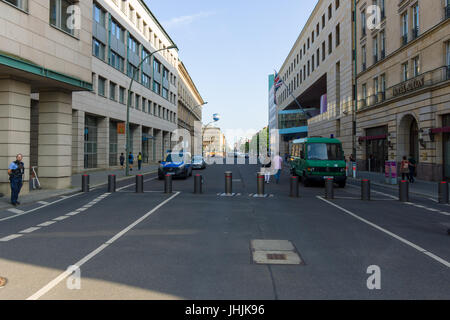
(230,47)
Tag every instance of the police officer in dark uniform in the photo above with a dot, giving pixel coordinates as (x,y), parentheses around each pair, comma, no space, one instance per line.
(16,171)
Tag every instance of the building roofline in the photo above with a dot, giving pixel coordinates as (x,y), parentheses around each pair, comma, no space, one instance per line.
(185,73)
(158,23)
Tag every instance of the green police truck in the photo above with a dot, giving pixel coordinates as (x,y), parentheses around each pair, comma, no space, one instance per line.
(317,159)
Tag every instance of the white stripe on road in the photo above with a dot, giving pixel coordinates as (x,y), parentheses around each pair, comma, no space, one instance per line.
(66,273)
(30,230)
(72,213)
(42,202)
(133,184)
(412,245)
(43,206)
(61,218)
(46,224)
(14,210)
(13,236)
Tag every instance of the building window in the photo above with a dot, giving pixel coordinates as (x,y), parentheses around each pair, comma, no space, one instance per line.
(99,16)
(312,36)
(133,72)
(318,57)
(323,51)
(383,86)
(375,50)
(117,31)
(364,94)
(312,63)
(132,45)
(112,91)
(323,21)
(448,54)
(415,30)
(145,80)
(416,66)
(405,28)
(330,11)
(383,9)
(375,88)
(117,61)
(59,16)
(405,73)
(21,4)
(330,43)
(337,4)
(98,49)
(122,95)
(318,29)
(138,100)
(363,58)
(363,23)
(101,86)
(383,44)
(338,35)
(165,93)
(156,87)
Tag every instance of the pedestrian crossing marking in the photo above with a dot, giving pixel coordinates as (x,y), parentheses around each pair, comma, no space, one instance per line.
(14,210)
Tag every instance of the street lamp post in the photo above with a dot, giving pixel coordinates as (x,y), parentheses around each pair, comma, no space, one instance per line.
(127,167)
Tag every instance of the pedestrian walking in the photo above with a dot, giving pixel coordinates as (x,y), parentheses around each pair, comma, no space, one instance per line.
(278,164)
(131,161)
(412,168)
(16,170)
(266,170)
(139,161)
(122,160)
(404,168)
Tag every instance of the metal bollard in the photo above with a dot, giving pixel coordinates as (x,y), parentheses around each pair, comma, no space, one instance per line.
(294,187)
(168,183)
(112,183)
(228,182)
(198,184)
(365,190)
(443,192)
(403,189)
(139,183)
(85,183)
(329,188)
(260,184)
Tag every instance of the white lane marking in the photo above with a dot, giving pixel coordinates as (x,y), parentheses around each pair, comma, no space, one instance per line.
(133,184)
(46,224)
(61,218)
(29,230)
(14,210)
(66,273)
(42,202)
(374,191)
(43,206)
(74,213)
(13,236)
(409,243)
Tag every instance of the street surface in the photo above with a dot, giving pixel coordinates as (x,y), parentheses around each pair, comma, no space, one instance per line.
(187,246)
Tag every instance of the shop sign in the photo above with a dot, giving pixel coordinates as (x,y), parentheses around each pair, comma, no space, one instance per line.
(408,86)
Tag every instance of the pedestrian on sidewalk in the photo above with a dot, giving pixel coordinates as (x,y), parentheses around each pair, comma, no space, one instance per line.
(266,169)
(412,168)
(278,164)
(122,160)
(404,168)
(139,161)
(16,170)
(131,161)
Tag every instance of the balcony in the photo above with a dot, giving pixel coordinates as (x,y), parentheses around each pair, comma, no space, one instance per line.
(404,39)
(421,81)
(415,32)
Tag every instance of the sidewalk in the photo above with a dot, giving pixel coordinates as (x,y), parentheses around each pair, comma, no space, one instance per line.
(421,187)
(96,177)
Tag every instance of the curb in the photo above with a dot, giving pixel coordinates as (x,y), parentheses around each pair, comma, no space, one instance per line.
(77,190)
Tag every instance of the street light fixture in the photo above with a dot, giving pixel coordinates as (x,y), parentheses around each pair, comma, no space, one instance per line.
(127,125)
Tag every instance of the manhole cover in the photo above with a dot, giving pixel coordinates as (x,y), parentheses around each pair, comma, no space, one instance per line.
(2,282)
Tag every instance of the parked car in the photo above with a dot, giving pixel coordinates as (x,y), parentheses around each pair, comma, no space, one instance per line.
(176,164)
(198,162)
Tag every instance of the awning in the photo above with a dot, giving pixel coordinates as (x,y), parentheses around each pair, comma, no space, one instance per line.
(379,137)
(439,130)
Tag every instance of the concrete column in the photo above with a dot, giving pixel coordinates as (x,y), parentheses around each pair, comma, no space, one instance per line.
(77,141)
(34,133)
(103,143)
(151,148)
(136,140)
(158,144)
(166,141)
(55,139)
(15,115)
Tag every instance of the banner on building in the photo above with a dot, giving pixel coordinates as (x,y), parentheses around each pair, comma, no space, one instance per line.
(121,128)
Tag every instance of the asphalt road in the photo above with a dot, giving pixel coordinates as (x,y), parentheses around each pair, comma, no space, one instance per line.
(187,246)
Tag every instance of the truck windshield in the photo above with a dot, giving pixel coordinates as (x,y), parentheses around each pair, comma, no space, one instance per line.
(325,151)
